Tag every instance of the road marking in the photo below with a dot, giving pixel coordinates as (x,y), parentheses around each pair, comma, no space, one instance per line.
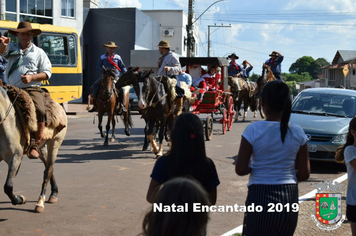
(303,198)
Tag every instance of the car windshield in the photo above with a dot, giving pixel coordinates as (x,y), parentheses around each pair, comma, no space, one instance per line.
(324,104)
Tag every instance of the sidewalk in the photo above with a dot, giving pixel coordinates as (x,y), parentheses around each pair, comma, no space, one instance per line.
(77,109)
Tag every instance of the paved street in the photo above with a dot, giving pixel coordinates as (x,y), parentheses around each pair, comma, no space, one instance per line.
(102,190)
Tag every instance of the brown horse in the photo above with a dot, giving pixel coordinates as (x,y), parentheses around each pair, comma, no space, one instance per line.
(267,76)
(106,103)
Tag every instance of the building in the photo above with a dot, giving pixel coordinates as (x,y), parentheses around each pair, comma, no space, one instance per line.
(342,71)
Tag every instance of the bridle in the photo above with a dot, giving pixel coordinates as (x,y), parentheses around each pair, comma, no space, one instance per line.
(107,93)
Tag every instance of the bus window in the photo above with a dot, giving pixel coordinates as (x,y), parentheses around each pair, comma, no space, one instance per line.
(56,48)
(72,51)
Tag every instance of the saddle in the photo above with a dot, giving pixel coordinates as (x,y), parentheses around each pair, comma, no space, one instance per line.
(26,111)
(172,82)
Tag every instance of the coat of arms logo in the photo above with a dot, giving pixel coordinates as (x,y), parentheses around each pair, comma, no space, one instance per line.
(328,206)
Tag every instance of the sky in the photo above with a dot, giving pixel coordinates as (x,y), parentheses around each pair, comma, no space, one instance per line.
(294,28)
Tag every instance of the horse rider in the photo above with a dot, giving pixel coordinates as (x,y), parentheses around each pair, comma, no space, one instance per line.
(274,62)
(28,65)
(111,60)
(234,69)
(169,65)
(245,73)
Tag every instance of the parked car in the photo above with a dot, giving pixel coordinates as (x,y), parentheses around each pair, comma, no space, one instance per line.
(324,114)
(133,100)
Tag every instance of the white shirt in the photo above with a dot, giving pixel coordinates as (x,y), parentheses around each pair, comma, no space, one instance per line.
(273,162)
(35,61)
(350,154)
(172,61)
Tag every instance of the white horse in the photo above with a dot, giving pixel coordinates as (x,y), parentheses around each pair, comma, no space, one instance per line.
(14,143)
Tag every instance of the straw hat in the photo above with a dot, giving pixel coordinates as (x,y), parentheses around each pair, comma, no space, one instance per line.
(163,44)
(110,44)
(24,27)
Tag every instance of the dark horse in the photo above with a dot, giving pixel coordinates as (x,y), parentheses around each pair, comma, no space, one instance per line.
(107,103)
(245,95)
(267,76)
(153,101)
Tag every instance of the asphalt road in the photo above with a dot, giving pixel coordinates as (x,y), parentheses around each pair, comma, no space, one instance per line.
(102,189)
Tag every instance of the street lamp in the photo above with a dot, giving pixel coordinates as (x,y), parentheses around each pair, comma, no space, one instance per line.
(189,27)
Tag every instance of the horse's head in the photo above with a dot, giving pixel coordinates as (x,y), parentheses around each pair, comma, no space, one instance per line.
(141,85)
(107,81)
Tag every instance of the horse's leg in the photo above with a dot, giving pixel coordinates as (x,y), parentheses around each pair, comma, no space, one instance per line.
(260,109)
(151,124)
(238,107)
(100,115)
(146,141)
(127,115)
(160,136)
(14,165)
(106,142)
(113,123)
(245,105)
(255,114)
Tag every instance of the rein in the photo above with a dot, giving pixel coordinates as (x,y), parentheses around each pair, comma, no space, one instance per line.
(154,95)
(110,92)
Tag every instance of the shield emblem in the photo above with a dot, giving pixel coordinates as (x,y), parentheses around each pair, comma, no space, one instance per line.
(328,207)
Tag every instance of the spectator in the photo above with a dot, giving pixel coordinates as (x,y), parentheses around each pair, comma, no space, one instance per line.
(187,157)
(274,169)
(347,154)
(178,191)
(275,63)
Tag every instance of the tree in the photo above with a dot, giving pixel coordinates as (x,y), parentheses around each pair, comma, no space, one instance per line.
(253,77)
(304,76)
(301,65)
(307,64)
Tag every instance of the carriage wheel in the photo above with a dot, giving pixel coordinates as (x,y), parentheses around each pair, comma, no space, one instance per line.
(224,121)
(209,127)
(230,114)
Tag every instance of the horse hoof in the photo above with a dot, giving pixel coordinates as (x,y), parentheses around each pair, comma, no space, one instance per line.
(39,209)
(112,140)
(53,199)
(127,133)
(23,199)
(106,143)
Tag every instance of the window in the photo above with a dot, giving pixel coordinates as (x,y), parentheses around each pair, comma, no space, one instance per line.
(68,8)
(36,11)
(11,5)
(56,48)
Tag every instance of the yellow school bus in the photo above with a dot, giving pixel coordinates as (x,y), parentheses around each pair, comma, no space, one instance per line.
(62,46)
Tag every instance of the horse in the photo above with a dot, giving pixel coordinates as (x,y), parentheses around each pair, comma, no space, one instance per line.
(152,100)
(244,95)
(14,142)
(107,103)
(267,76)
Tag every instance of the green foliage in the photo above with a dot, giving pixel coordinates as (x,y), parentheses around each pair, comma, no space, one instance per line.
(253,77)
(304,76)
(307,64)
(292,87)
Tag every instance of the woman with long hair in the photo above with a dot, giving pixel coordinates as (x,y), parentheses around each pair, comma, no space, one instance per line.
(187,157)
(347,154)
(274,153)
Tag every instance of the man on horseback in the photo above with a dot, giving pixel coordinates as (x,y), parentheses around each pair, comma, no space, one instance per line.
(169,65)
(275,63)
(28,65)
(111,60)
(245,73)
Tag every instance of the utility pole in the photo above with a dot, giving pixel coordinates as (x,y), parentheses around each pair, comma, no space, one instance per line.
(229,26)
(190,28)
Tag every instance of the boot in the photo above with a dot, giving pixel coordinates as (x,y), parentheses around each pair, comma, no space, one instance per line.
(34,154)
(179,105)
(94,108)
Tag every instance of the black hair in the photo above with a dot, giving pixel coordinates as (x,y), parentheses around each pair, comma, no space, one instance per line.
(187,156)
(276,96)
(178,191)
(339,154)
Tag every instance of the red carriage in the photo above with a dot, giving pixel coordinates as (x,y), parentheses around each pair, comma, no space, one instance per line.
(217,101)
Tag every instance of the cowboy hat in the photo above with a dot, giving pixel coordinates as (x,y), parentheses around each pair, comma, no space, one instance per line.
(110,44)
(24,27)
(163,44)
(233,55)
(273,54)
